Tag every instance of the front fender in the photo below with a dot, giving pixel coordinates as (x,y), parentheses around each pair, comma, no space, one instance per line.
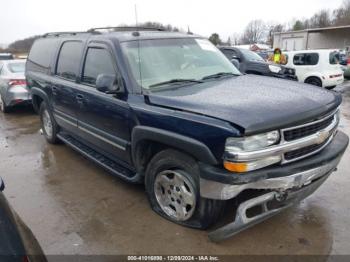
(186,144)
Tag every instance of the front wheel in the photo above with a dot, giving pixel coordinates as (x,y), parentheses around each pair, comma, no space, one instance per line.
(172,185)
(48,124)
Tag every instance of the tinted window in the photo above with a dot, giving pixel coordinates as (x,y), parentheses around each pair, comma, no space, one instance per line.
(42,52)
(334,58)
(251,56)
(98,61)
(229,53)
(306,59)
(69,60)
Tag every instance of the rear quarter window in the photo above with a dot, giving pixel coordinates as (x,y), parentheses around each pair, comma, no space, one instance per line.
(305,59)
(42,52)
(69,60)
(334,58)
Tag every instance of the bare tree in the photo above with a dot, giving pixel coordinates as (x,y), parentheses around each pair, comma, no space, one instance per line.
(272,29)
(320,19)
(254,32)
(236,37)
(342,14)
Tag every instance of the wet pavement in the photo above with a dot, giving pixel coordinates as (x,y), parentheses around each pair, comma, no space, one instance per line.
(75,207)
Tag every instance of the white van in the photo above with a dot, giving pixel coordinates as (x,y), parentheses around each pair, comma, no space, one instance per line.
(316,67)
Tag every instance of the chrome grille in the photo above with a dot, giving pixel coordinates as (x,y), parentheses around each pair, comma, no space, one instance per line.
(304,131)
(330,123)
(303,151)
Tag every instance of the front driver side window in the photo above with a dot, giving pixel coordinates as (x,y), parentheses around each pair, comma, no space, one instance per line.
(97,61)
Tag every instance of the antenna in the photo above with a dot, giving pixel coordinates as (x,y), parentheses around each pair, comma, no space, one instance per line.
(138,45)
(137,23)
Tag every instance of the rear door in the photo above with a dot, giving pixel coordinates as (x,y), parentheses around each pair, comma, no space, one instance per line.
(103,119)
(63,86)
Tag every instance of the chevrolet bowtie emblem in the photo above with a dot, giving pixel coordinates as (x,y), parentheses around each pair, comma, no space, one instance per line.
(322,136)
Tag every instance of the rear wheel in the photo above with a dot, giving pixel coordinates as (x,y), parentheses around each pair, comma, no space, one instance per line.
(314,81)
(3,107)
(172,185)
(48,124)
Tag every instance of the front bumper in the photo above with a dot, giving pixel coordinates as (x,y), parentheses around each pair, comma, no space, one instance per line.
(218,175)
(285,76)
(281,201)
(282,186)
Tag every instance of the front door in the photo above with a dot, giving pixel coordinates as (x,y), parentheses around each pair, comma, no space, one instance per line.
(103,119)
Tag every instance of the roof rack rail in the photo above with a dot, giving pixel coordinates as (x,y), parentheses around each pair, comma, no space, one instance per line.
(126,28)
(66,33)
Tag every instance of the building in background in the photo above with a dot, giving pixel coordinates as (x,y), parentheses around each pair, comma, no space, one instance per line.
(315,38)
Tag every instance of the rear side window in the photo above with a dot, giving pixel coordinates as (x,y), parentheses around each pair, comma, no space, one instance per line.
(69,60)
(306,59)
(42,52)
(334,58)
(98,61)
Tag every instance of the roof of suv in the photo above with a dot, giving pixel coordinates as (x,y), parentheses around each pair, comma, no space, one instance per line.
(125,35)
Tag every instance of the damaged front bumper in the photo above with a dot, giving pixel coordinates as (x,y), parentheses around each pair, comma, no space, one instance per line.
(283,186)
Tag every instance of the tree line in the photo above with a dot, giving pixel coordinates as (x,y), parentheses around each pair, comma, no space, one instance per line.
(258,31)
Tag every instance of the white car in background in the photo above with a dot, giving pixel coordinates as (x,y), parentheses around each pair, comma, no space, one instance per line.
(316,67)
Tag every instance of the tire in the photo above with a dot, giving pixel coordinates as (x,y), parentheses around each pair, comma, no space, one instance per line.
(330,87)
(3,107)
(48,124)
(172,180)
(314,81)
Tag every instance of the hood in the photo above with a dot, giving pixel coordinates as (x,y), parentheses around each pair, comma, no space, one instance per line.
(254,103)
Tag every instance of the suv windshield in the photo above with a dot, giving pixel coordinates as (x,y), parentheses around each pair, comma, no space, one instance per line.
(186,60)
(251,56)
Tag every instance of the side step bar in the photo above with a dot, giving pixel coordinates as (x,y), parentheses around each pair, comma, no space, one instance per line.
(242,221)
(108,164)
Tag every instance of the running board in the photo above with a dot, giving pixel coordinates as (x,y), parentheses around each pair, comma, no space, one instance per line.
(108,164)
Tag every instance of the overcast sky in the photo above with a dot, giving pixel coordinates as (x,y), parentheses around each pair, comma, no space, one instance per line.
(24,18)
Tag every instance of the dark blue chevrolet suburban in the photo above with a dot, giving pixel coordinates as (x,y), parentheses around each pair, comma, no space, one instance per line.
(170,110)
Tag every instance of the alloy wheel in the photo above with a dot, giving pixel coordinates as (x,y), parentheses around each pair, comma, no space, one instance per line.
(175,194)
(47,124)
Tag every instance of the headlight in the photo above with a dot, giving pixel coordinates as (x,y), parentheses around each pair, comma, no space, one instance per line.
(251,143)
(248,144)
(275,69)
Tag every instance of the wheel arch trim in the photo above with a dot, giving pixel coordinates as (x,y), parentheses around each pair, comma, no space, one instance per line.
(186,144)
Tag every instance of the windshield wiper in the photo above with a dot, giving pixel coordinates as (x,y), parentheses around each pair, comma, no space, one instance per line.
(218,75)
(178,80)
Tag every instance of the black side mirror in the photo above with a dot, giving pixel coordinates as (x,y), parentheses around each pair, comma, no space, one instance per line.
(236,63)
(235,57)
(2,185)
(109,84)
